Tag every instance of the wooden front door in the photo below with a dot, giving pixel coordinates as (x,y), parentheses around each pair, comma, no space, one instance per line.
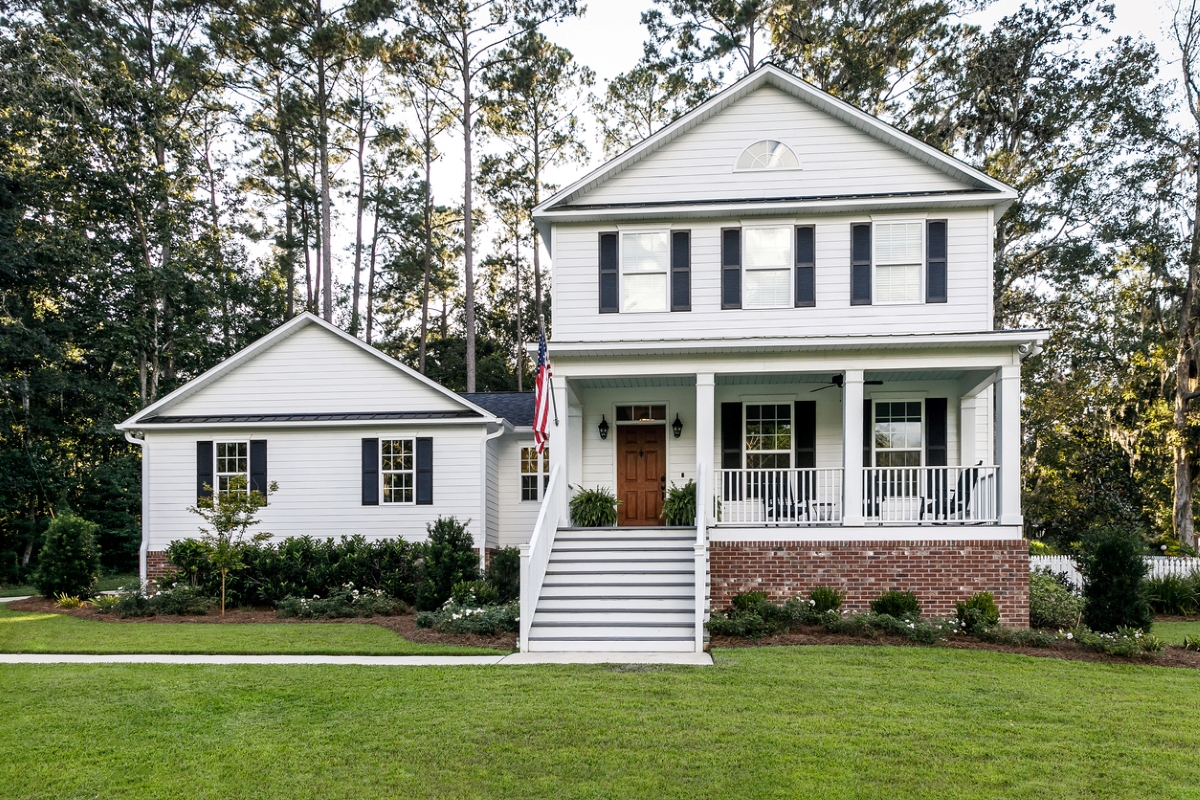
(641,473)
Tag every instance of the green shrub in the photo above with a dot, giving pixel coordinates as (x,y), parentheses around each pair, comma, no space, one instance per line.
(64,600)
(486,621)
(751,616)
(1173,594)
(104,603)
(1113,569)
(1191,643)
(132,601)
(825,598)
(473,594)
(593,508)
(1051,603)
(450,558)
(897,604)
(181,599)
(978,613)
(679,507)
(345,601)
(69,561)
(504,573)
(1128,642)
(1016,637)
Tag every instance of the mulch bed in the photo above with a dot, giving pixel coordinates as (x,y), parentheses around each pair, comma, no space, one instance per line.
(405,626)
(1172,656)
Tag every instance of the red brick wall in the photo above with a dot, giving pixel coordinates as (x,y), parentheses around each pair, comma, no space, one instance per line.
(940,573)
(156,564)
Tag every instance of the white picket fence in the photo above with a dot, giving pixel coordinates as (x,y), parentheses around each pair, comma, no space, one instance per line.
(1160,566)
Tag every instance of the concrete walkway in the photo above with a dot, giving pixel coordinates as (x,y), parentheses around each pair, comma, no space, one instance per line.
(701,659)
(14,599)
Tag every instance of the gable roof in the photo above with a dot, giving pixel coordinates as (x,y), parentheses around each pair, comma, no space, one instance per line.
(976,187)
(157,413)
(516,407)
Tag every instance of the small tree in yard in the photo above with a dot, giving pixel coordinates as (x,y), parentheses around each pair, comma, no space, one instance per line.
(1113,566)
(230,515)
(69,561)
(450,558)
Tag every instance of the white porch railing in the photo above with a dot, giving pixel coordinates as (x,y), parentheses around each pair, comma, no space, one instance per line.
(777,496)
(535,556)
(922,495)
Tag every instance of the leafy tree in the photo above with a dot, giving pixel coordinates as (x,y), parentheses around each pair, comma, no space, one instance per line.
(1113,565)
(450,558)
(69,562)
(229,515)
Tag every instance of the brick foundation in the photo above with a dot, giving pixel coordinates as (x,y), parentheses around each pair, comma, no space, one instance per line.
(156,564)
(940,573)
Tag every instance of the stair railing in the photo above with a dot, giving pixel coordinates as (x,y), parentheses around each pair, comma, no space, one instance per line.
(535,556)
(701,559)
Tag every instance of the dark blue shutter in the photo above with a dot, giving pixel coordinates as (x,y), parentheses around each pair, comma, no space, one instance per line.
(610,301)
(424,472)
(805,434)
(681,271)
(936,445)
(204,469)
(860,265)
(731,435)
(731,268)
(868,433)
(258,466)
(935,261)
(806,266)
(370,472)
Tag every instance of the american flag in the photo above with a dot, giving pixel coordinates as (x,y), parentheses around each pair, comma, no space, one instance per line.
(541,396)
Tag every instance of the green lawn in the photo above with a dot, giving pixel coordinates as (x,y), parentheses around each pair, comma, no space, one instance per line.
(828,722)
(27,632)
(1173,632)
(107,584)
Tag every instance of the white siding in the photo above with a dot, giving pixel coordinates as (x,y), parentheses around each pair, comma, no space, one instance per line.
(319,472)
(493,493)
(517,517)
(313,371)
(576,292)
(835,159)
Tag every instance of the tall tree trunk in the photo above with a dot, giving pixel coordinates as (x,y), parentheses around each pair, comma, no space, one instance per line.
(468,227)
(214,219)
(520,359)
(308,273)
(1185,527)
(326,203)
(358,215)
(371,267)
(427,192)
(289,242)
(537,198)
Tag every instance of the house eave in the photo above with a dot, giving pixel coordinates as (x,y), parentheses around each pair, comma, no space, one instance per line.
(348,423)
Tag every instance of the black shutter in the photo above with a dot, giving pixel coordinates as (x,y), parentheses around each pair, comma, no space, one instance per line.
(370,472)
(681,271)
(204,469)
(610,301)
(935,432)
(731,435)
(806,266)
(806,434)
(860,265)
(258,466)
(868,433)
(731,268)
(424,472)
(935,261)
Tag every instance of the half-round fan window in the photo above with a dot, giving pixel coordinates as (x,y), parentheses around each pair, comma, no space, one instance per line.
(768,154)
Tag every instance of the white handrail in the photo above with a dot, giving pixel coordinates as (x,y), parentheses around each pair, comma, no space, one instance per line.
(777,496)
(930,494)
(701,559)
(535,556)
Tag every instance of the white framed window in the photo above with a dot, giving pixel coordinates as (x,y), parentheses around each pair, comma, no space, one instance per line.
(397,470)
(767,154)
(768,435)
(767,267)
(898,434)
(898,260)
(645,263)
(535,473)
(232,461)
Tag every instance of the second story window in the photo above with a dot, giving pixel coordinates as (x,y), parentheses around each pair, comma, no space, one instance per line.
(898,260)
(645,263)
(767,264)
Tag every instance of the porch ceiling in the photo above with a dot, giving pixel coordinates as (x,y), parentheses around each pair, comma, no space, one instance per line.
(769,378)
(634,382)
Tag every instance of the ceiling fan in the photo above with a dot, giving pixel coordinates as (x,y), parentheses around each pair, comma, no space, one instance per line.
(839,379)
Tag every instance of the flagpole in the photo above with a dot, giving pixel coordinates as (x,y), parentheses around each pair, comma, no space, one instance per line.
(553,399)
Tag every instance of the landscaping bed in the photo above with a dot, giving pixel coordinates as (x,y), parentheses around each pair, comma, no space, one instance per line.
(404,625)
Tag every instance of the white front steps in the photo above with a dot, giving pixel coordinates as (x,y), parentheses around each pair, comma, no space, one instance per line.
(617,590)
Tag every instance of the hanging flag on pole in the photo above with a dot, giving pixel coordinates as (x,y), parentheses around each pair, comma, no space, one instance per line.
(543,392)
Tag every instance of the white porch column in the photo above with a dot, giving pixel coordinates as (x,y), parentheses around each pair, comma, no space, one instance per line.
(852,447)
(1008,443)
(560,446)
(706,411)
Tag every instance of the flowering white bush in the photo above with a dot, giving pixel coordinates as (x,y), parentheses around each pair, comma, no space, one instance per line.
(346,601)
(482,620)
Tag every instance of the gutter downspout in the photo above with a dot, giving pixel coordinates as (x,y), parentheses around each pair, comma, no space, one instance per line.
(483,483)
(145,547)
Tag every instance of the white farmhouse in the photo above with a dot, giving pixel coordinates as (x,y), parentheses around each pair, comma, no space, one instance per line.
(777,296)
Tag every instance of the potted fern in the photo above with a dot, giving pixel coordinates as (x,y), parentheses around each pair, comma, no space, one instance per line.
(594,508)
(680,506)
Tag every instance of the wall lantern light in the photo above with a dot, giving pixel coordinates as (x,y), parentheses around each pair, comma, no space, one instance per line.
(603,427)
(677,426)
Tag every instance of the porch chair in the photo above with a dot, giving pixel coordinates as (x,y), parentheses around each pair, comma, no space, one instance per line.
(946,506)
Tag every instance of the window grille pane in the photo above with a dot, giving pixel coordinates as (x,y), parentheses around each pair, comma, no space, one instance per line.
(769,288)
(529,487)
(767,247)
(398,487)
(645,252)
(898,243)
(645,292)
(898,284)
